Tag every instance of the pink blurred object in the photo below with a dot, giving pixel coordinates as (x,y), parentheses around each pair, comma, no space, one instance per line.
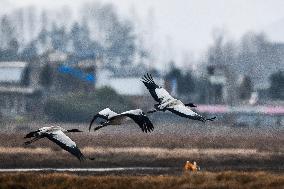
(212,108)
(274,110)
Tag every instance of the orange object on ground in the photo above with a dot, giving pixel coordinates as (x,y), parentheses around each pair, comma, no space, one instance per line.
(191,166)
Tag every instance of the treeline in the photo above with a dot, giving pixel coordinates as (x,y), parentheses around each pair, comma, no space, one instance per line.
(26,33)
(101,32)
(192,87)
(255,63)
(253,56)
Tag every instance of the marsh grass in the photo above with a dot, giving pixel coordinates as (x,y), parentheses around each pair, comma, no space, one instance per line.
(208,159)
(214,147)
(230,179)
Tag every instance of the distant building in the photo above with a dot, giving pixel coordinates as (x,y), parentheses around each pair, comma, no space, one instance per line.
(127,82)
(69,73)
(17,96)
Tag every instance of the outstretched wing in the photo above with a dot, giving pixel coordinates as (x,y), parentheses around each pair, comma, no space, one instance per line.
(104,114)
(94,118)
(157,92)
(183,111)
(65,143)
(107,113)
(140,118)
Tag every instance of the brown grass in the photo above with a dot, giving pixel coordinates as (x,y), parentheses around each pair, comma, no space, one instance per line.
(207,180)
(239,140)
(164,153)
(20,150)
(161,153)
(209,159)
(213,146)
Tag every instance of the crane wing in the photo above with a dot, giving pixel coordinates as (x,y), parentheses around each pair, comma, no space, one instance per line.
(157,92)
(94,118)
(140,118)
(183,111)
(163,95)
(65,143)
(32,134)
(104,114)
(107,113)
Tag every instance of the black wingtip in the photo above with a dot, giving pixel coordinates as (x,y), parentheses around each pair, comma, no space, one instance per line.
(92,121)
(31,134)
(82,158)
(147,78)
(150,77)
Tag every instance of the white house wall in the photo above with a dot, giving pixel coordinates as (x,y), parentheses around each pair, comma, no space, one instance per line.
(131,86)
(10,74)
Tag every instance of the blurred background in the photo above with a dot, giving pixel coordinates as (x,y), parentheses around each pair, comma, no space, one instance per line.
(64,61)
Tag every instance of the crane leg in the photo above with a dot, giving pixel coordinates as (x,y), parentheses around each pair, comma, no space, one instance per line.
(200,118)
(211,119)
(152,111)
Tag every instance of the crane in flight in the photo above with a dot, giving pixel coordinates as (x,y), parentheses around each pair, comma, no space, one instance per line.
(112,118)
(167,102)
(57,135)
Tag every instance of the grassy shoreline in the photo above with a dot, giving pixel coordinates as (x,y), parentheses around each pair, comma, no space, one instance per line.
(228,179)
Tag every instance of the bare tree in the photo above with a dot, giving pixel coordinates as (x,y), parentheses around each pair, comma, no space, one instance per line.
(6,32)
(246,88)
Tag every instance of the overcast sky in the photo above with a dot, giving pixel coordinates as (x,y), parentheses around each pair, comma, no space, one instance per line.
(188,24)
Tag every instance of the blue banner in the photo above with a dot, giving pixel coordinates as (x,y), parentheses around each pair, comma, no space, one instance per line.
(77,73)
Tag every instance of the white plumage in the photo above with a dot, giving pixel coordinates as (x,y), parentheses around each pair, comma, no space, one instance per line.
(167,102)
(163,95)
(60,136)
(108,113)
(57,135)
(112,118)
(180,107)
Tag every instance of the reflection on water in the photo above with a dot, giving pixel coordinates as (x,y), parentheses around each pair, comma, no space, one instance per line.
(88,169)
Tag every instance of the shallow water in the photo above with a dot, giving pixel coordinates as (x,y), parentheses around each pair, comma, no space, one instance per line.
(116,169)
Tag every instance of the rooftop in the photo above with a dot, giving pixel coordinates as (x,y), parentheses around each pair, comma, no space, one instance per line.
(22,90)
(13,64)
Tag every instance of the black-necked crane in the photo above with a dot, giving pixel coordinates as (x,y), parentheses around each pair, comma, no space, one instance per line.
(57,135)
(167,102)
(112,118)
